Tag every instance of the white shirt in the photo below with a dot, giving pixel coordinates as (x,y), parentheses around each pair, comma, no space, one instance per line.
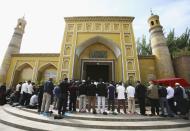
(34,100)
(30,89)
(24,88)
(121,92)
(130,91)
(170,92)
(18,87)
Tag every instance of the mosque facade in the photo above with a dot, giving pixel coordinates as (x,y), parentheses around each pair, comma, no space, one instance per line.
(93,47)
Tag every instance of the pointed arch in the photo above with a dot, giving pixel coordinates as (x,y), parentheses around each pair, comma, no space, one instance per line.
(24,65)
(107,42)
(46,71)
(45,66)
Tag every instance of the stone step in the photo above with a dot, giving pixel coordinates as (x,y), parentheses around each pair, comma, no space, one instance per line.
(4,127)
(32,121)
(109,117)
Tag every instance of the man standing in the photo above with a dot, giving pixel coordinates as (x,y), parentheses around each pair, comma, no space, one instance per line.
(111,96)
(170,98)
(162,92)
(17,93)
(131,98)
(63,98)
(154,99)
(30,92)
(24,93)
(120,89)
(179,98)
(82,96)
(102,94)
(140,91)
(3,94)
(73,96)
(48,93)
(91,95)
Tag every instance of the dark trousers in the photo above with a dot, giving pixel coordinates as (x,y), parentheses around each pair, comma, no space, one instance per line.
(72,103)
(28,99)
(17,96)
(39,104)
(171,105)
(111,103)
(2,99)
(91,103)
(121,102)
(23,99)
(62,104)
(142,105)
(182,106)
(154,106)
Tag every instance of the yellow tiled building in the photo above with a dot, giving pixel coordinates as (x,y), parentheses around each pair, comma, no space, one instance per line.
(92,47)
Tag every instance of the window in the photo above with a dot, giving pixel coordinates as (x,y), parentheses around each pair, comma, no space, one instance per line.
(157,22)
(152,22)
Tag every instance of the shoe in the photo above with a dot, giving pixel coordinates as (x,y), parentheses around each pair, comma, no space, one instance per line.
(162,115)
(114,113)
(152,115)
(58,117)
(144,114)
(105,113)
(94,112)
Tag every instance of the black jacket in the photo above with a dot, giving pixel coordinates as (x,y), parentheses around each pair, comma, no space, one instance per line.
(48,87)
(91,90)
(162,91)
(64,88)
(140,91)
(178,93)
(82,89)
(102,89)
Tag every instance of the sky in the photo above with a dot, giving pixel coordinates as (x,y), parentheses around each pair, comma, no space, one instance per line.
(45,19)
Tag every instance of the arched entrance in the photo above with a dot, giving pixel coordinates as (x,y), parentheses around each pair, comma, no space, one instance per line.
(95,58)
(22,73)
(47,71)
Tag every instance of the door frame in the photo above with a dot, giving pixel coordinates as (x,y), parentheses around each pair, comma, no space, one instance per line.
(97,61)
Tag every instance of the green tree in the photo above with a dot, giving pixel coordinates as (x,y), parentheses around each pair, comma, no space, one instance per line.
(142,47)
(178,44)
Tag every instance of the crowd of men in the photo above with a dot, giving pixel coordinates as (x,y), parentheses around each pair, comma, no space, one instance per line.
(64,96)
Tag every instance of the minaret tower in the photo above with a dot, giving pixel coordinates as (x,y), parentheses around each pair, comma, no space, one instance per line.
(13,48)
(160,48)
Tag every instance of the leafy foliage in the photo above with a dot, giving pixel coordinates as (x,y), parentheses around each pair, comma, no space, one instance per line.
(179,44)
(142,47)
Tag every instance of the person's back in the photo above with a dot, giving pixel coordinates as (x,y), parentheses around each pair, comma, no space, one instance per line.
(64,87)
(73,90)
(162,91)
(34,100)
(130,91)
(24,88)
(111,92)
(101,89)
(47,95)
(178,93)
(91,89)
(48,87)
(82,89)
(153,92)
(120,92)
(140,91)
(170,92)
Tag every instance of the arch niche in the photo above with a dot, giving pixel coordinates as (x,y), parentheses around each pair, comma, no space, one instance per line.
(22,73)
(46,71)
(84,53)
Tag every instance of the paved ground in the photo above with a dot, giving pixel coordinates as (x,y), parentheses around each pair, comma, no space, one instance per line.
(8,128)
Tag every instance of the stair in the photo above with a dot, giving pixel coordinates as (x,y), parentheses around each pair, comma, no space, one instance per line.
(28,119)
